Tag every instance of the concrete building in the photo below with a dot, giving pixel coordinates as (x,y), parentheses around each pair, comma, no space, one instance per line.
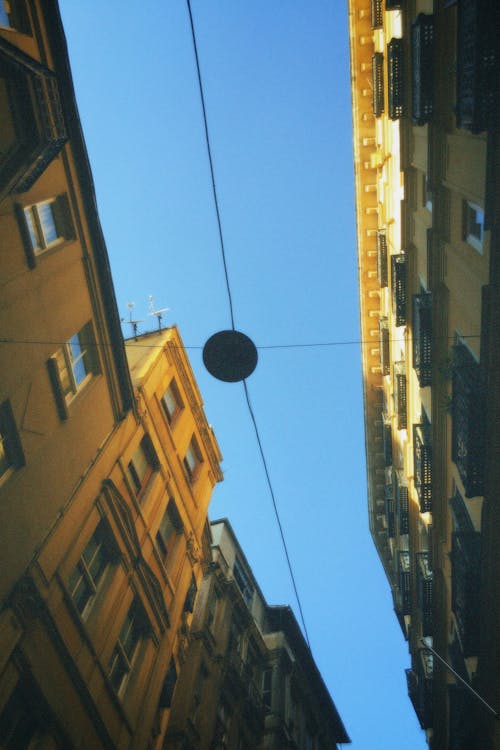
(426,151)
(249,680)
(107,462)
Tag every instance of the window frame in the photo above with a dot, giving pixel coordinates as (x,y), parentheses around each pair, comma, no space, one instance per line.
(11,451)
(172,413)
(67,387)
(139,481)
(124,658)
(102,538)
(192,467)
(470,213)
(175,527)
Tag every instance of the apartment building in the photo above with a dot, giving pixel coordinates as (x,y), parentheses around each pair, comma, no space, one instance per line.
(249,679)
(425,118)
(107,463)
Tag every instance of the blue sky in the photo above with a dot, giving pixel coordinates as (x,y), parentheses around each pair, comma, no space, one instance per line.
(276,80)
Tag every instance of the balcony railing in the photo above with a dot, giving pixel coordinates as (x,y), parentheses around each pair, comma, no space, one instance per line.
(389,509)
(378,83)
(419,681)
(476,64)
(468,419)
(400,398)
(382,258)
(424,591)
(384,344)
(402,505)
(387,443)
(395,74)
(404,582)
(422,465)
(422,337)
(398,284)
(377,14)
(465,585)
(422,57)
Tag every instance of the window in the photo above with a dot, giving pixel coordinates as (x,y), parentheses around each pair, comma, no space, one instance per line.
(427,193)
(27,723)
(142,464)
(11,452)
(168,530)
(13,15)
(244,584)
(48,223)
(172,402)
(90,570)
(133,630)
(190,596)
(267,690)
(72,366)
(193,460)
(167,691)
(213,601)
(473,225)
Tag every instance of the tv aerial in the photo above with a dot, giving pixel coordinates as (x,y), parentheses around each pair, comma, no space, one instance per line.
(157,313)
(133,322)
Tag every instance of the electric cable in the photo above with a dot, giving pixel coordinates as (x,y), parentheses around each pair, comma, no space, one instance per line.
(212,174)
(214,190)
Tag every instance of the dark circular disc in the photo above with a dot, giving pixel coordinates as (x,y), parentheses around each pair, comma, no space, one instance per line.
(230,356)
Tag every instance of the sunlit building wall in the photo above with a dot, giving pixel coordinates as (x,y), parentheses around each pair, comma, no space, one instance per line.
(107,463)
(249,681)
(425,119)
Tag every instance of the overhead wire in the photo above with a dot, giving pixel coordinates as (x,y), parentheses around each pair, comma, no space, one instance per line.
(223,252)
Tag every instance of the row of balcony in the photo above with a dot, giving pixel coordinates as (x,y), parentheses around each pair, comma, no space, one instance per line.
(378,11)
(476,67)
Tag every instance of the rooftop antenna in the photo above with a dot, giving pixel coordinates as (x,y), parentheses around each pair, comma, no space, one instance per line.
(131,321)
(157,313)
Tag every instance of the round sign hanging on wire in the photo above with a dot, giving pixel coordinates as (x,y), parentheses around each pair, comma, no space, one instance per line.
(230,356)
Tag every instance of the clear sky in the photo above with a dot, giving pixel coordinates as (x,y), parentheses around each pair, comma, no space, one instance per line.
(276,79)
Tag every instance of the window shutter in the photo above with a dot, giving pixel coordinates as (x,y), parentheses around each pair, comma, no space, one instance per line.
(25,235)
(55,380)
(62,217)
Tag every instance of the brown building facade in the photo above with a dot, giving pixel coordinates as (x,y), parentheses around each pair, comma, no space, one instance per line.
(249,680)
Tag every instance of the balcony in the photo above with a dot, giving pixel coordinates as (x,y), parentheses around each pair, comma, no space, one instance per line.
(422,465)
(384,345)
(377,14)
(476,64)
(422,58)
(389,509)
(419,681)
(398,284)
(395,73)
(422,337)
(34,119)
(387,443)
(404,582)
(378,83)
(465,587)
(424,591)
(382,258)
(468,419)
(402,505)
(400,398)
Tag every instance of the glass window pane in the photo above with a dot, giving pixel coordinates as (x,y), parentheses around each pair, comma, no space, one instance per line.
(75,346)
(79,371)
(47,222)
(30,223)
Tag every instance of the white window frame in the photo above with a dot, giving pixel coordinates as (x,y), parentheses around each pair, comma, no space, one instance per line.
(37,233)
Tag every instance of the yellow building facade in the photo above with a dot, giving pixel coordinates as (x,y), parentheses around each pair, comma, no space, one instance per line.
(107,463)
(425,126)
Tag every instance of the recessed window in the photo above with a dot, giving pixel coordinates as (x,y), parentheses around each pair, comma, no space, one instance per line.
(134,629)
(427,193)
(13,15)
(193,460)
(172,402)
(72,366)
(11,452)
(191,596)
(267,689)
(242,581)
(90,570)
(46,225)
(167,691)
(142,464)
(473,225)
(169,529)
